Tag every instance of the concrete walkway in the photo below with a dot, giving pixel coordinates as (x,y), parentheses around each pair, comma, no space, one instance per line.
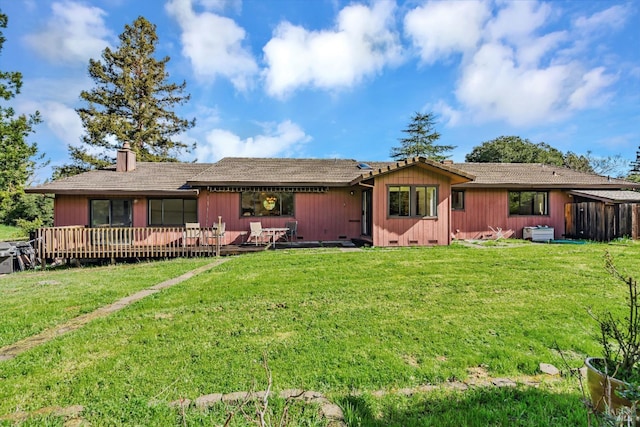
(12,350)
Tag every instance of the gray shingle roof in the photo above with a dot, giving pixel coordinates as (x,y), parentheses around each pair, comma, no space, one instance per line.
(147,178)
(181,178)
(528,175)
(240,171)
(622,196)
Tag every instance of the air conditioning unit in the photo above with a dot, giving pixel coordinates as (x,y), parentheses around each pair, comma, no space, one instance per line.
(538,234)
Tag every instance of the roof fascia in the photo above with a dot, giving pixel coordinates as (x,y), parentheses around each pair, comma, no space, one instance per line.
(547,186)
(266,184)
(192,192)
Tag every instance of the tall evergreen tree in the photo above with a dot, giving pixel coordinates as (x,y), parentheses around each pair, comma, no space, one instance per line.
(421,140)
(18,157)
(132,101)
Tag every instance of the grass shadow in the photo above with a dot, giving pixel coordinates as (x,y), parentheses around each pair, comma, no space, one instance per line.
(485,406)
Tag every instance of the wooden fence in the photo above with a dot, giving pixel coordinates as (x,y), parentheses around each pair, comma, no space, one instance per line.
(127,242)
(602,222)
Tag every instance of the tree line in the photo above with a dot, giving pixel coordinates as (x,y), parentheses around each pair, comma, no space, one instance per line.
(133,101)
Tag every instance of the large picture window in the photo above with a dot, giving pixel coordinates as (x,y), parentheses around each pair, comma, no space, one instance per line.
(110,212)
(413,201)
(267,203)
(528,203)
(173,212)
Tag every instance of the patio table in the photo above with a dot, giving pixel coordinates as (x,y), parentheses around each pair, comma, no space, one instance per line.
(274,233)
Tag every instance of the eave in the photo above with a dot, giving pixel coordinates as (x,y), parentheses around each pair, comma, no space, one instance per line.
(547,186)
(119,193)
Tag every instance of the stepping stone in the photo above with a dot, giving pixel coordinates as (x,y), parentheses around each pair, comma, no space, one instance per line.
(503,382)
(208,400)
(548,369)
(294,393)
(180,404)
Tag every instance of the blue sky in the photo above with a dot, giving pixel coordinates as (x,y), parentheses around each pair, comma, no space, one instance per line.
(330,78)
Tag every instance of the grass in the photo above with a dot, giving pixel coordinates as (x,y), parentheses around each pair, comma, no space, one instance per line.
(344,324)
(8,232)
(31,302)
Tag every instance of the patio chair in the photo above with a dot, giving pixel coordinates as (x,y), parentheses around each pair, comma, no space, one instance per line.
(292,232)
(255,232)
(220,232)
(191,233)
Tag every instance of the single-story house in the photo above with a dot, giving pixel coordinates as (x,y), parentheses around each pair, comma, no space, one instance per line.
(412,202)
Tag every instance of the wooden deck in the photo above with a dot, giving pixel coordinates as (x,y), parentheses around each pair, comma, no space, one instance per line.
(79,242)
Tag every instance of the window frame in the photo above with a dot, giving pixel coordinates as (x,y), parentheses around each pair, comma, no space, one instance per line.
(111,212)
(535,193)
(413,200)
(463,197)
(162,211)
(257,204)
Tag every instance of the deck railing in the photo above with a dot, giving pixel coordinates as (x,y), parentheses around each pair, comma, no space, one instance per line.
(126,242)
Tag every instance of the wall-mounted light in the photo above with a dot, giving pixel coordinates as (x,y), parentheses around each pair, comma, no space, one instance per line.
(352,192)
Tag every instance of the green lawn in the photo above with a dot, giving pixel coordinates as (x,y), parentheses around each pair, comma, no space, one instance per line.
(342,323)
(8,232)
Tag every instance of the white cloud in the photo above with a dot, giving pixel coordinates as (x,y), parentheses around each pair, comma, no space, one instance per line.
(60,119)
(511,68)
(614,17)
(590,92)
(63,121)
(439,29)
(518,20)
(74,34)
(278,140)
(213,44)
(362,44)
(493,86)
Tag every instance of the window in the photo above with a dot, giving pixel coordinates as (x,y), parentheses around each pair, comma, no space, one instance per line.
(110,213)
(528,203)
(412,200)
(267,203)
(172,211)
(457,200)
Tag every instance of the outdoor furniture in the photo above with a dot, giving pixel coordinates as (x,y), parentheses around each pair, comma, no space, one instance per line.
(292,230)
(274,234)
(191,233)
(256,232)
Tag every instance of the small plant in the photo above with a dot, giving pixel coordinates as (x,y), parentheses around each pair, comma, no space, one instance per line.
(27,226)
(620,337)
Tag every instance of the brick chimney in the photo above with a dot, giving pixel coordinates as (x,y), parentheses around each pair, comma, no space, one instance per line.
(126,159)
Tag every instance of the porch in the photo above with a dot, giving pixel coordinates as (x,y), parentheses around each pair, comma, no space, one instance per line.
(79,242)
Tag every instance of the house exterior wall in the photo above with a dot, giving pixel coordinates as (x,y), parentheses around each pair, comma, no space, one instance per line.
(410,231)
(333,215)
(488,207)
(70,210)
(74,210)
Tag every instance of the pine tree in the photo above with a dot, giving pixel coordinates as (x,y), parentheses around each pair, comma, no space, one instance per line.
(132,101)
(18,157)
(420,140)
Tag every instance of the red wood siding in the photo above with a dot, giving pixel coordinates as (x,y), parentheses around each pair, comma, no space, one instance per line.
(410,231)
(332,215)
(140,212)
(486,208)
(70,210)
(74,210)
